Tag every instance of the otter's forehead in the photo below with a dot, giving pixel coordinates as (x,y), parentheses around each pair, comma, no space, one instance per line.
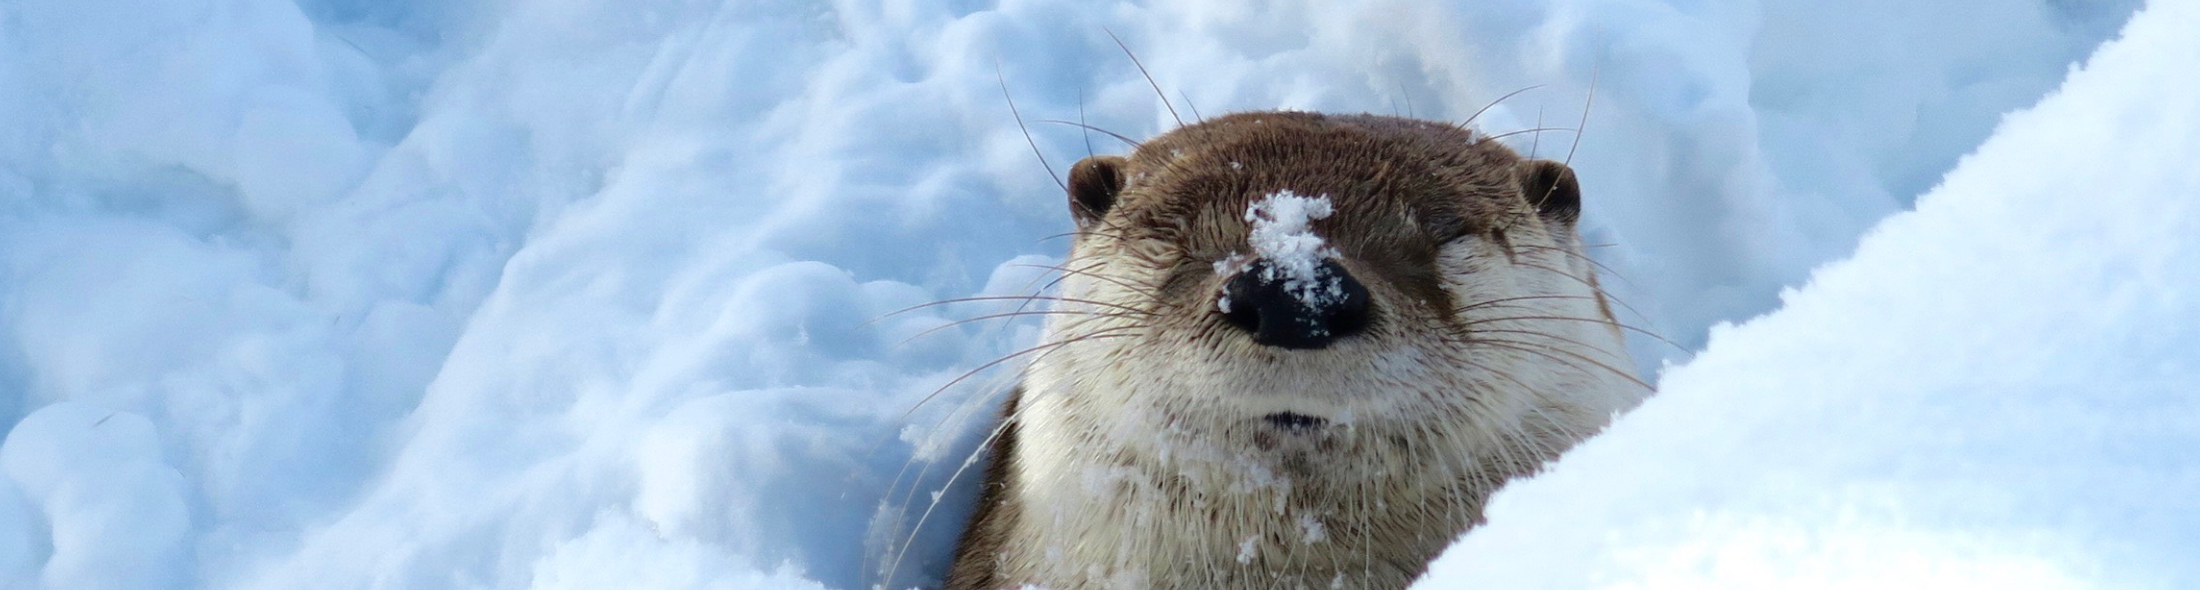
(1399,186)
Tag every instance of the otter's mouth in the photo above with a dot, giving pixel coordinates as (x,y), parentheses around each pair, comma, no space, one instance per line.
(1295,422)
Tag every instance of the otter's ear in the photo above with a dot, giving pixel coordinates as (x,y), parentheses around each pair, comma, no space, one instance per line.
(1550,186)
(1093,184)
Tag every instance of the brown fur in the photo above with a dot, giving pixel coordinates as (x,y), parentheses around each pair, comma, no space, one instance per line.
(1424,211)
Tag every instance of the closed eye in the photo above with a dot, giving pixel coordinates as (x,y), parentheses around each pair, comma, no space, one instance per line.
(1184,278)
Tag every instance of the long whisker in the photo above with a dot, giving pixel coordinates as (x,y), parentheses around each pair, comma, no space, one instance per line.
(1043,350)
(1493,302)
(1003,78)
(1049,286)
(1615,324)
(1196,117)
(1081,125)
(1083,232)
(1550,353)
(967,462)
(1087,133)
(1486,108)
(1531,348)
(996,362)
(1408,95)
(1578,256)
(1097,276)
(964,408)
(1585,105)
(1536,144)
(1490,138)
(908,497)
(1012,314)
(1562,339)
(1149,76)
(1007,298)
(1067,272)
(1586,283)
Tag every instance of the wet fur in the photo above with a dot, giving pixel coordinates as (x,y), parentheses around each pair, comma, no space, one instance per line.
(1135,455)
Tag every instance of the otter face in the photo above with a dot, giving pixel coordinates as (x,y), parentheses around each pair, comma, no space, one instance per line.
(1284,324)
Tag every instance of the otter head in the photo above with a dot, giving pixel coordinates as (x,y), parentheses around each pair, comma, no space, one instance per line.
(1296,348)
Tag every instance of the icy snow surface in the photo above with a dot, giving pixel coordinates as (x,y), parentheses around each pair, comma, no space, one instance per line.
(600,293)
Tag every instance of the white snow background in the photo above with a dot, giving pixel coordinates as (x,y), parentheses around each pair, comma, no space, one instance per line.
(587,294)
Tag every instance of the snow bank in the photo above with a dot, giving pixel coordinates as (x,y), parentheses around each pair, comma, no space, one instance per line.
(1996,391)
(364,294)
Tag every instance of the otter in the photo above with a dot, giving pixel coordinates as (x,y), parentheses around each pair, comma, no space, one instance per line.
(1294,350)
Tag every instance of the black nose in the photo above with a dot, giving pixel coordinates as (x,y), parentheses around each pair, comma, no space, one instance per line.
(1297,310)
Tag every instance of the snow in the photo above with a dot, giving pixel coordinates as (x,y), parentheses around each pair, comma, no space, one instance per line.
(576,293)
(1282,234)
(1995,391)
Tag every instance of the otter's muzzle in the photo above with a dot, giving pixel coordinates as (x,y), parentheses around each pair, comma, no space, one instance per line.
(1295,308)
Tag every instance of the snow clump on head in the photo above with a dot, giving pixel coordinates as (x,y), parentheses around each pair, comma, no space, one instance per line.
(1283,234)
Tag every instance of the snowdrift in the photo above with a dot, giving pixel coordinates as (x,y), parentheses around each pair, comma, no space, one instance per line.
(1997,391)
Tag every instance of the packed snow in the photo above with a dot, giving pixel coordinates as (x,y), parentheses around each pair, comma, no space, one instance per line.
(592,293)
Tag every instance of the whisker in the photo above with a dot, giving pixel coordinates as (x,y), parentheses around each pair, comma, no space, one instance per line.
(1585,105)
(1486,108)
(1149,76)
(1003,78)
(967,404)
(995,362)
(1529,347)
(1049,286)
(995,316)
(1082,232)
(1196,117)
(1490,138)
(1081,125)
(1402,92)
(1066,271)
(1087,133)
(1008,298)
(1087,273)
(1066,274)
(971,460)
(1549,352)
(1612,323)
(1557,337)
(1536,141)
(915,483)
(1592,285)
(1043,349)
(1579,256)
(1489,302)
